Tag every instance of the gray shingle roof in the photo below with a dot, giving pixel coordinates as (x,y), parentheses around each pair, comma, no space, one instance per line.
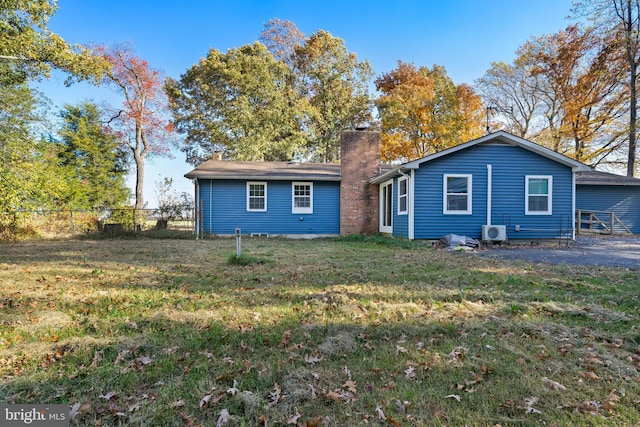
(226,169)
(604,178)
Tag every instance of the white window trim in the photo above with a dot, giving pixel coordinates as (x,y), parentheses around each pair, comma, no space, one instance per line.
(249,184)
(446,211)
(299,210)
(405,196)
(549,211)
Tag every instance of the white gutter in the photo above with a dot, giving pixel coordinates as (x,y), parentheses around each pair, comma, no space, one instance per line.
(411,205)
(573,205)
(489,185)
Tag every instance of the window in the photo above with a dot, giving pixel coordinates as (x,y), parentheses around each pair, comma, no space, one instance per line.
(457,194)
(538,195)
(403,196)
(256,196)
(302,197)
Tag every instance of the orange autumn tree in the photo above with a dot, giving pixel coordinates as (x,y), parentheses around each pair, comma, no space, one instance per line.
(422,112)
(143,121)
(581,85)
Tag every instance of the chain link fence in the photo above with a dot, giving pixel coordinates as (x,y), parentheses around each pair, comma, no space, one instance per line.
(99,223)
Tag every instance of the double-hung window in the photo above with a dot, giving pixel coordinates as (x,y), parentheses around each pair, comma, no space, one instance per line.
(457,194)
(403,196)
(256,196)
(302,197)
(538,189)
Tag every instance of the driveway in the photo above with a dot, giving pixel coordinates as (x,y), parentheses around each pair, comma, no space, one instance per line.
(593,251)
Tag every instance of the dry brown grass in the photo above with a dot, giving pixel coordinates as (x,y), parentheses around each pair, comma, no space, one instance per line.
(333,332)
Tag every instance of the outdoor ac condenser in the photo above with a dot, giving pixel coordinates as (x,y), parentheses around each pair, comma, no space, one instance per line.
(494,233)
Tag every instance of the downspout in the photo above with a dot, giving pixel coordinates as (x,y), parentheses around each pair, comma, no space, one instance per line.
(573,205)
(196,205)
(489,185)
(409,202)
(411,206)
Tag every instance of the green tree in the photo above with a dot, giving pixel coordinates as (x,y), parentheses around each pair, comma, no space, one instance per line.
(333,85)
(26,41)
(29,178)
(238,102)
(93,159)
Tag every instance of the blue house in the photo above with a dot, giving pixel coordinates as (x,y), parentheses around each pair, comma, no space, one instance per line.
(603,194)
(267,198)
(495,187)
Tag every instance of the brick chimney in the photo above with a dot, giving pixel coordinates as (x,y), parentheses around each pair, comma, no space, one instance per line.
(360,160)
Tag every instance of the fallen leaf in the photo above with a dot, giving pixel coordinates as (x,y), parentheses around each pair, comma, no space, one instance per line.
(294,418)
(400,349)
(133,407)
(223,418)
(178,404)
(145,360)
(233,390)
(351,386)
(315,358)
(334,395)
(380,413)
(109,396)
(410,373)
(80,409)
(453,396)
(97,358)
(346,371)
(552,384)
(588,406)
(204,402)
(393,421)
(286,338)
(589,375)
(315,422)
(313,391)
(275,394)
(529,402)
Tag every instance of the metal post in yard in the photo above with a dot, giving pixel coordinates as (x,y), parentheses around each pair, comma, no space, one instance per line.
(238,242)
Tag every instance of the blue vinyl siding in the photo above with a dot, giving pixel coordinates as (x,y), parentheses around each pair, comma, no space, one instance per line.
(510,166)
(624,201)
(224,207)
(400,222)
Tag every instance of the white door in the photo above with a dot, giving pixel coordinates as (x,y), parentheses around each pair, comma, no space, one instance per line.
(386,207)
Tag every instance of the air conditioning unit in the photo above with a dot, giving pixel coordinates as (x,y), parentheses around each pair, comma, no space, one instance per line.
(494,233)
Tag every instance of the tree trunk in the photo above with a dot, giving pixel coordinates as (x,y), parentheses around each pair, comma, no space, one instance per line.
(139,154)
(633,71)
(631,159)
(139,180)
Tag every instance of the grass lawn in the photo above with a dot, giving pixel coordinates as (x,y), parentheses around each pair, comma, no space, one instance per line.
(335,332)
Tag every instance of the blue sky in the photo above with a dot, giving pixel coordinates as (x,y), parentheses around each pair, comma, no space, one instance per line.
(465,36)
